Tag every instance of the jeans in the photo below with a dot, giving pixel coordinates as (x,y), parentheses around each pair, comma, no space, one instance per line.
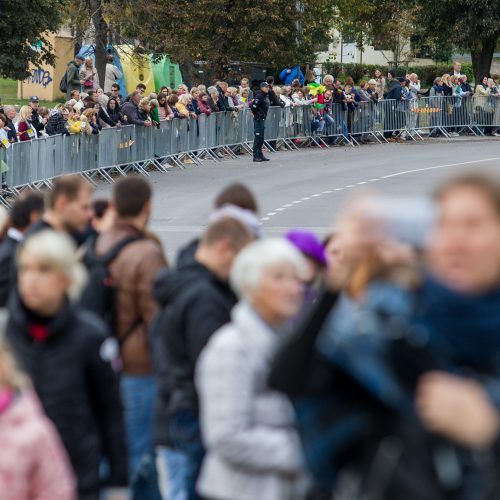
(138,395)
(184,427)
(171,466)
(258,141)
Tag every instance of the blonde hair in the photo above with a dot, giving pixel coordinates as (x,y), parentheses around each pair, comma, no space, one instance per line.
(185,99)
(10,374)
(89,113)
(57,251)
(25,113)
(144,101)
(327,77)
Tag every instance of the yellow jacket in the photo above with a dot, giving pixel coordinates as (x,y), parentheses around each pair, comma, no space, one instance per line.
(74,126)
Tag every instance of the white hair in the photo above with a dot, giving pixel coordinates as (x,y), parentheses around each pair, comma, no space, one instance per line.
(251,263)
(58,251)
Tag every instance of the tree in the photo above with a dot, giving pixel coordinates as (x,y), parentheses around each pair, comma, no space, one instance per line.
(475,25)
(387,25)
(87,17)
(24,23)
(220,32)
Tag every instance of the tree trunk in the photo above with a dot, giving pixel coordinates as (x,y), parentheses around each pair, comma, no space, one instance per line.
(482,57)
(101,38)
(189,72)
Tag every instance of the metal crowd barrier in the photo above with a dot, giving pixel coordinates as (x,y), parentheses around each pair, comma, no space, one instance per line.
(117,151)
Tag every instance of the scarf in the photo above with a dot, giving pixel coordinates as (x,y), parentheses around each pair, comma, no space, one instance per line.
(465,327)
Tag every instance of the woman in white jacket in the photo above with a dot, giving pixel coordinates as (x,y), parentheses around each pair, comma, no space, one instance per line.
(253,450)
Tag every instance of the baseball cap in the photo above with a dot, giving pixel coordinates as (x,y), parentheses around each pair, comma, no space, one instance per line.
(264,84)
(34,98)
(401,79)
(79,57)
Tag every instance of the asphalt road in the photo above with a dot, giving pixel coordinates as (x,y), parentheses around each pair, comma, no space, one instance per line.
(306,188)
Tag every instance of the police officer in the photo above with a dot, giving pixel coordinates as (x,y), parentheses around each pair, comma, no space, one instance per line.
(259,109)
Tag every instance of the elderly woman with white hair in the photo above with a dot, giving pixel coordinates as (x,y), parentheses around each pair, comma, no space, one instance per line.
(253,450)
(67,353)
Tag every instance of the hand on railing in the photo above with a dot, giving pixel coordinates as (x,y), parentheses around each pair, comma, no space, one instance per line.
(147,123)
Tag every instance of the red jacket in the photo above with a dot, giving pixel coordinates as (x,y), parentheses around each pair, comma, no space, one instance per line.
(204,107)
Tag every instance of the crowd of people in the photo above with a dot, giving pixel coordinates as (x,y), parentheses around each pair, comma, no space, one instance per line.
(90,108)
(364,365)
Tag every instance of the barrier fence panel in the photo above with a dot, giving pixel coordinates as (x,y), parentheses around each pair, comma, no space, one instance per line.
(38,161)
(273,124)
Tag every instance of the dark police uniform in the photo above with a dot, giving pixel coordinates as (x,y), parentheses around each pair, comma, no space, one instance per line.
(259,108)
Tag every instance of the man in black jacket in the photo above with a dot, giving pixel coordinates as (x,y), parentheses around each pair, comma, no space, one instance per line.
(259,108)
(223,102)
(36,121)
(10,113)
(26,211)
(131,110)
(274,100)
(196,301)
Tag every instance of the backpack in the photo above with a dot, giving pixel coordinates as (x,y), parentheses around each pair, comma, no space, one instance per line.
(63,85)
(99,296)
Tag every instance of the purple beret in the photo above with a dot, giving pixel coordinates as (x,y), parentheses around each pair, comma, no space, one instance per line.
(308,243)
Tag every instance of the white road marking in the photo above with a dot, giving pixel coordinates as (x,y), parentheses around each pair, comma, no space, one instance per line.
(316,195)
(438,166)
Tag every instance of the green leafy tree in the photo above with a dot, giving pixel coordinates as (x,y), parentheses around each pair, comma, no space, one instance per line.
(475,25)
(220,32)
(387,24)
(24,25)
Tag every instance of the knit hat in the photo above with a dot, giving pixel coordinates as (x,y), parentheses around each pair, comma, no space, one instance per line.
(309,244)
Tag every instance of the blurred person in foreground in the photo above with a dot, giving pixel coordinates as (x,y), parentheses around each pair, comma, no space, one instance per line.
(68,354)
(314,253)
(26,211)
(195,302)
(253,450)
(370,397)
(67,207)
(133,258)
(33,462)
(235,194)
